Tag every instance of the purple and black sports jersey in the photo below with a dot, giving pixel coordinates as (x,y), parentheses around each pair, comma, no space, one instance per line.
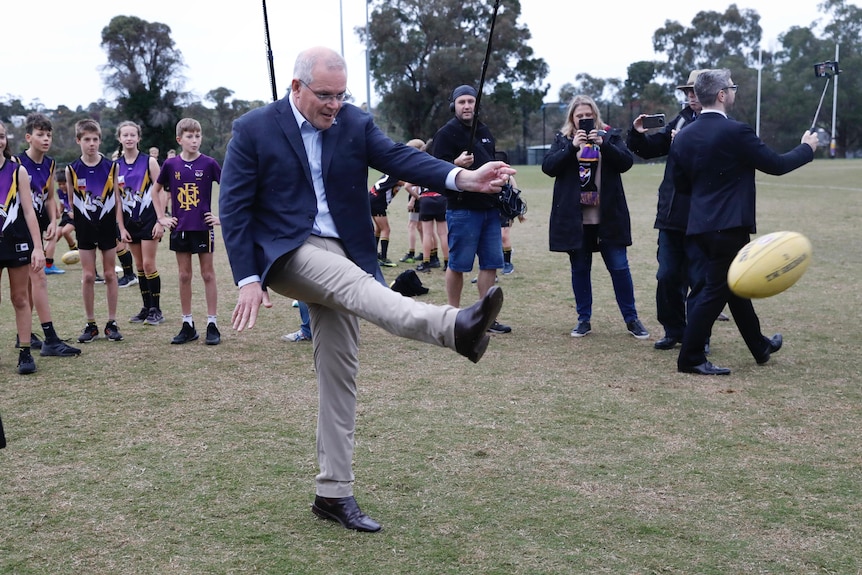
(135,184)
(191,187)
(63,198)
(92,189)
(13,226)
(40,177)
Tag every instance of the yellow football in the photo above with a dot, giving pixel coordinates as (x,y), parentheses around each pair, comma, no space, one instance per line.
(769,264)
(71,257)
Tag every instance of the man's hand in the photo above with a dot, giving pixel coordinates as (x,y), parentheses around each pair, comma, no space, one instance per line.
(250,298)
(465,160)
(488,179)
(811,139)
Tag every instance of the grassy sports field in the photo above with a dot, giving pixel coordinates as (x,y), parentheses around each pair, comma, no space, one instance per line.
(553,455)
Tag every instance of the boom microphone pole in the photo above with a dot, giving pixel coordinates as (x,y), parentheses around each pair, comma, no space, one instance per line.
(269,54)
(817,113)
(475,123)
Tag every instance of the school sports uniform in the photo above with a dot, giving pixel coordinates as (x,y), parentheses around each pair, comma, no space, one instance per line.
(190,185)
(135,184)
(41,175)
(16,245)
(381,193)
(94,204)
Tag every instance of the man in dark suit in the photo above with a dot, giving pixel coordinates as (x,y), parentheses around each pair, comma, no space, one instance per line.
(715,160)
(295,217)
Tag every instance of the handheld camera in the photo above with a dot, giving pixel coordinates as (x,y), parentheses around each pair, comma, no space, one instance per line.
(826,69)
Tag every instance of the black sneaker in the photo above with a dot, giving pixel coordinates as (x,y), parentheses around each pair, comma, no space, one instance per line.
(187,333)
(26,363)
(498,327)
(142,315)
(35,342)
(637,329)
(409,258)
(583,329)
(435,262)
(90,333)
(112,332)
(213,335)
(99,279)
(58,348)
(424,267)
(126,281)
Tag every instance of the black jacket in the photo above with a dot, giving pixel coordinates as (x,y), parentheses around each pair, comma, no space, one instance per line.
(672,212)
(448,143)
(566,230)
(715,163)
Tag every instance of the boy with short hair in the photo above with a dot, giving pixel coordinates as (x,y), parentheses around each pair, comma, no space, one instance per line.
(38,132)
(92,179)
(188,179)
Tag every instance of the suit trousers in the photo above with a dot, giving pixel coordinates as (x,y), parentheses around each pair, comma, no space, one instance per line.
(338,293)
(679,280)
(720,248)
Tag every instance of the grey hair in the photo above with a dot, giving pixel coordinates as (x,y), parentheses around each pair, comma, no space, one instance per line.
(709,83)
(308,59)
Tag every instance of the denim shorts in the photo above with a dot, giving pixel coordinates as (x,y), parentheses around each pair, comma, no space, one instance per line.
(474,233)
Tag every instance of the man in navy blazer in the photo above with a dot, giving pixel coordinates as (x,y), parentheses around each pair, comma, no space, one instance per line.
(295,217)
(715,161)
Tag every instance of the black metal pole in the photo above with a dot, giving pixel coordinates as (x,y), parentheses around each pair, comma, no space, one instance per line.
(482,81)
(269,54)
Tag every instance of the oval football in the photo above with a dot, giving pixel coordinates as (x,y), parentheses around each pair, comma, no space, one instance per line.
(770,264)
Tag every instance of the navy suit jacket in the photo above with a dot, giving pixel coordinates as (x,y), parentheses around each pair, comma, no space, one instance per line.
(714,162)
(267,203)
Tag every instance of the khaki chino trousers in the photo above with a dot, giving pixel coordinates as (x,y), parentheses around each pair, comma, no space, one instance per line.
(338,293)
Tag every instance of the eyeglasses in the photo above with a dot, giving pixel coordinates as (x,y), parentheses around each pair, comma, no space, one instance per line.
(733,88)
(326,97)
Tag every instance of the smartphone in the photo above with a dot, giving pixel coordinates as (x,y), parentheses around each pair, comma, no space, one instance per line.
(587,124)
(653,121)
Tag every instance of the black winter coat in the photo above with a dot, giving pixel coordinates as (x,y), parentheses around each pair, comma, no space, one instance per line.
(566,230)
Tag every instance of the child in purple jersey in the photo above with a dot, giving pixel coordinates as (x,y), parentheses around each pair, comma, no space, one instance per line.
(93,187)
(141,231)
(40,167)
(188,179)
(66,227)
(20,245)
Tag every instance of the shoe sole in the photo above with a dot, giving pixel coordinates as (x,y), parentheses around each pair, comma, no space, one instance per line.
(26,371)
(60,354)
(175,342)
(149,322)
(575,334)
(636,336)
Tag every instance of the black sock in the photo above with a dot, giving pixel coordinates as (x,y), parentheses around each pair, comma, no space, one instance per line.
(384,248)
(125,257)
(154,282)
(50,334)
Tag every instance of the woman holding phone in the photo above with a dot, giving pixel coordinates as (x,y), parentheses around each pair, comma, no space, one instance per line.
(589,212)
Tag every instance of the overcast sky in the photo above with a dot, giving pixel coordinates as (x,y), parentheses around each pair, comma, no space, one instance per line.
(56,56)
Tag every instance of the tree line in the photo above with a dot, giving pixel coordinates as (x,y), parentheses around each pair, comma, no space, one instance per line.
(417,55)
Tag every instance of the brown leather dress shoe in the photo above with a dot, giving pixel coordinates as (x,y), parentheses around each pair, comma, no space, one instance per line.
(472,323)
(344,510)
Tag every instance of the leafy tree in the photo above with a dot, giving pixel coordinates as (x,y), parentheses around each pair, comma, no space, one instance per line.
(144,69)
(420,50)
(712,39)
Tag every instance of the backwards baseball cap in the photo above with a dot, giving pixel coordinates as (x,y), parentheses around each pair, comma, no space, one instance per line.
(464,90)
(691,78)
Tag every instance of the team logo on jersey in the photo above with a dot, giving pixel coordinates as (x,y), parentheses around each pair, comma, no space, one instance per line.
(188,197)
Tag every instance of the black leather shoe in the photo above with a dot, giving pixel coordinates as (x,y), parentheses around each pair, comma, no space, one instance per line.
(666,342)
(471,323)
(344,510)
(706,368)
(775,343)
